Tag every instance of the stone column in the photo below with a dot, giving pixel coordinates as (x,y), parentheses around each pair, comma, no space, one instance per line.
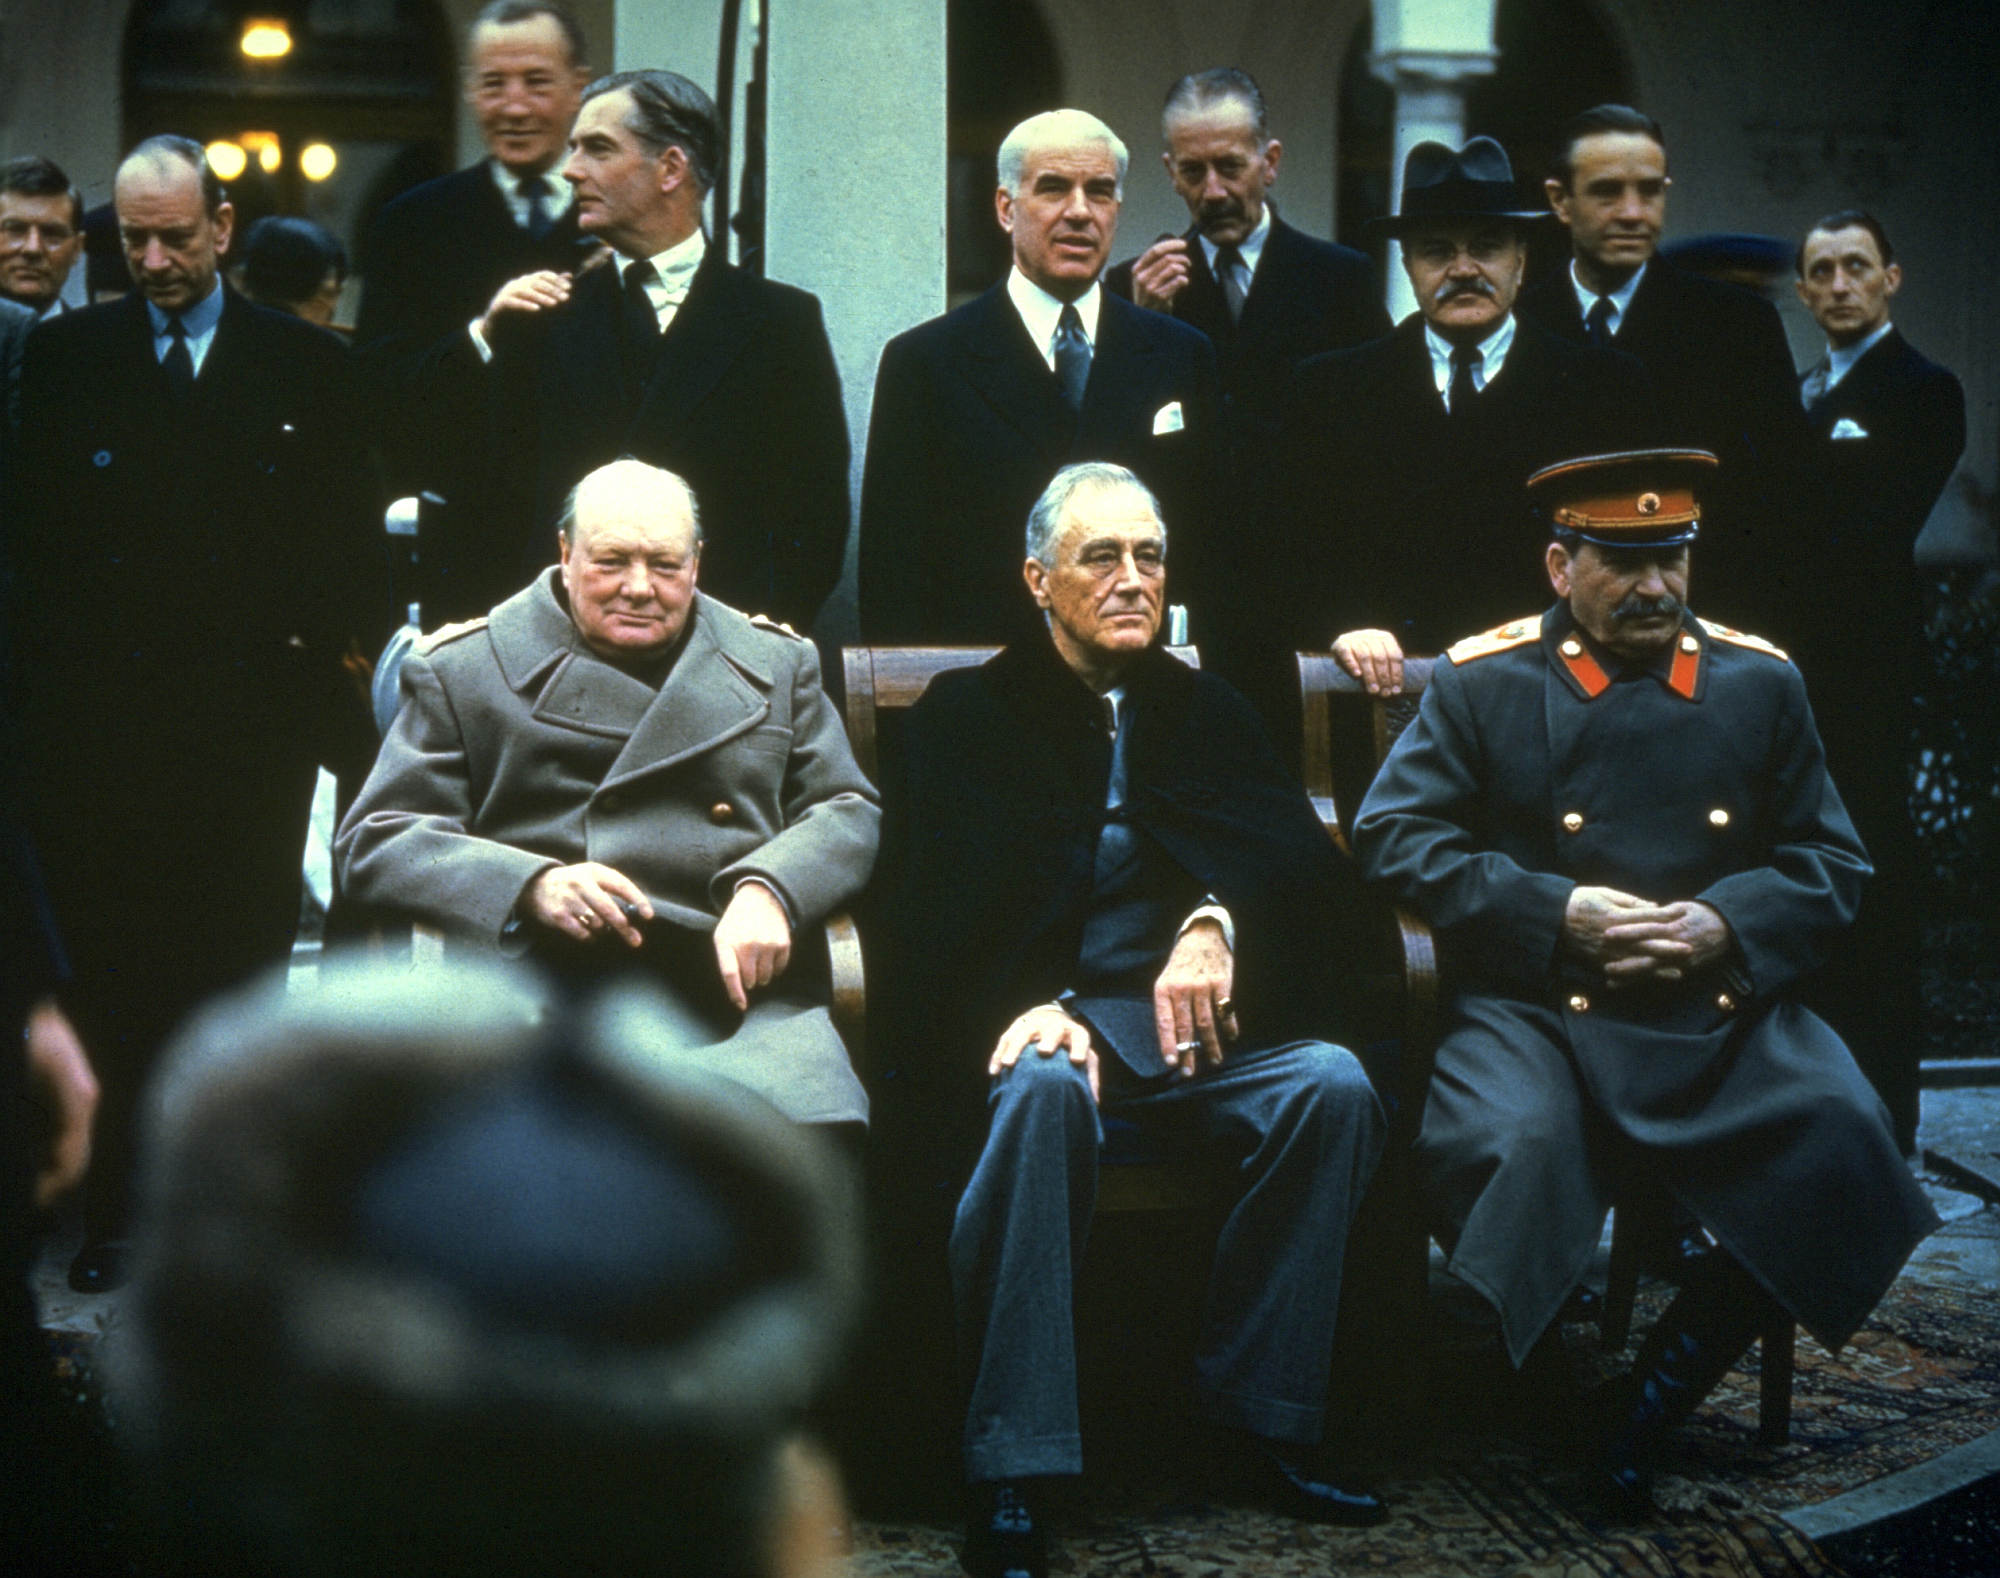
(1427,50)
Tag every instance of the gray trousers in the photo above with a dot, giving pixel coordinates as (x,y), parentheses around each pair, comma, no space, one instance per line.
(1302,1128)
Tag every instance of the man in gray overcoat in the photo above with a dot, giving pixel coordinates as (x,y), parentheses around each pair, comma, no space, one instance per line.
(1618,818)
(612,770)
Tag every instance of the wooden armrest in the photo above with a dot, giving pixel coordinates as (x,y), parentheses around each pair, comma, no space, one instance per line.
(850,986)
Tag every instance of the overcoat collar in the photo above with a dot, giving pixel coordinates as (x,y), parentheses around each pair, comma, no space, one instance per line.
(718,689)
(1056,706)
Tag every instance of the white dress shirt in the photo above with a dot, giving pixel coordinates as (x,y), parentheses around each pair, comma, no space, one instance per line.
(1840,359)
(1620,299)
(555,205)
(1250,249)
(1492,357)
(199,321)
(673,273)
(1040,312)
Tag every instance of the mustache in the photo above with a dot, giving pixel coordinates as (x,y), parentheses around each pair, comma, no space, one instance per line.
(1665,606)
(1452,289)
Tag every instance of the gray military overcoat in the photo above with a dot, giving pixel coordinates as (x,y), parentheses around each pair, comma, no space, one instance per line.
(516,749)
(1531,769)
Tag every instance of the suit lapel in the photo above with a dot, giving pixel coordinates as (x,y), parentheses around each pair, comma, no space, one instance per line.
(996,356)
(583,344)
(1202,305)
(1120,377)
(1268,307)
(710,330)
(708,699)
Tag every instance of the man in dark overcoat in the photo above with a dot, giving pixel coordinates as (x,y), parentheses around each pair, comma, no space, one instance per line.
(1409,451)
(615,772)
(1716,353)
(974,411)
(1619,820)
(1886,425)
(1087,824)
(202,551)
(664,351)
(1266,294)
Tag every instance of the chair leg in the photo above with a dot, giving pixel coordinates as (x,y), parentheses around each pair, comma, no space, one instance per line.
(1774,1399)
(1621,1282)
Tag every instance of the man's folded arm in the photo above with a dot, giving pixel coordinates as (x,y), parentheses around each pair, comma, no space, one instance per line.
(406,843)
(1414,838)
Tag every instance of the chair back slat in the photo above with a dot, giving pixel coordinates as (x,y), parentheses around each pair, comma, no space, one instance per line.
(1323,686)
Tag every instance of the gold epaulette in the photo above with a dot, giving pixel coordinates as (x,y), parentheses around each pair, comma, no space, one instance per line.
(1499,639)
(776,626)
(1739,639)
(431,640)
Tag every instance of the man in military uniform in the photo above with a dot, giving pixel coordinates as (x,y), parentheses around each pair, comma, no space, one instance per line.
(1618,818)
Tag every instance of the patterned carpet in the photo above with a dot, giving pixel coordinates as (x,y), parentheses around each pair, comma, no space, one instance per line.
(1470,1500)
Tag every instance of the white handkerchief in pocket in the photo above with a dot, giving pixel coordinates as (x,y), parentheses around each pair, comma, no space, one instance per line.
(1168,419)
(1846,427)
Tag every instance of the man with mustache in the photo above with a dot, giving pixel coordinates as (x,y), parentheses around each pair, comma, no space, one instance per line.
(1619,821)
(1408,453)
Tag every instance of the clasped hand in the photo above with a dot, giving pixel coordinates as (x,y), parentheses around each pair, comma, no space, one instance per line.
(1632,939)
(753,940)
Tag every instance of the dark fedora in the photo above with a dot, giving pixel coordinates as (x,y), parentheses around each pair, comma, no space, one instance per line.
(1440,182)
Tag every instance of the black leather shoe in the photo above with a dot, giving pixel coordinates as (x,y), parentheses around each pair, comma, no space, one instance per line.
(1303,1490)
(101,1265)
(1004,1538)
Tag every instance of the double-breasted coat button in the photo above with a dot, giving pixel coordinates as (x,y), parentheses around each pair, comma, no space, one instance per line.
(1573,820)
(722,811)
(1579,1004)
(1718,817)
(1725,1002)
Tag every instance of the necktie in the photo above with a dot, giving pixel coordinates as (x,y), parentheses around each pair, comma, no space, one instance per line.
(179,361)
(1072,357)
(1813,390)
(1598,325)
(1464,358)
(537,191)
(1229,270)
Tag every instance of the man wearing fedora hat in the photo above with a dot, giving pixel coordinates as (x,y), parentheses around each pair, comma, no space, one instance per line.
(1408,453)
(1617,816)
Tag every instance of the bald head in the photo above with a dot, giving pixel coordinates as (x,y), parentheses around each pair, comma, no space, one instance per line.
(631,545)
(173,221)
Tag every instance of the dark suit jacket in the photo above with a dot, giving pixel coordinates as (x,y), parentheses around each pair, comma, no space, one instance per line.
(1307,296)
(1723,373)
(968,427)
(990,829)
(743,401)
(430,264)
(188,579)
(1400,517)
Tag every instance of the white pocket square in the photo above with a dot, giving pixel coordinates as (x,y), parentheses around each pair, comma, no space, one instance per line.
(1168,418)
(1847,427)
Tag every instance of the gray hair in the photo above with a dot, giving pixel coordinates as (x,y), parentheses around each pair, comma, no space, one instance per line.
(1057,129)
(1045,520)
(668,111)
(507,13)
(566,519)
(1200,90)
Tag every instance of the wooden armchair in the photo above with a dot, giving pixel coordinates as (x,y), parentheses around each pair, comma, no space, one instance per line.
(1333,701)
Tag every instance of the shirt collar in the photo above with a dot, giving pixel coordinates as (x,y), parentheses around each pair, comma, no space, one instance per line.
(1840,359)
(1492,354)
(1620,299)
(675,267)
(198,320)
(1250,248)
(1040,311)
(559,196)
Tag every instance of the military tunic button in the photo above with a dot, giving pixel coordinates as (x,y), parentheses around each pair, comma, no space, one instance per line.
(1725,1002)
(1579,1004)
(1689,644)
(1573,820)
(101,459)
(722,811)
(1572,649)
(1718,817)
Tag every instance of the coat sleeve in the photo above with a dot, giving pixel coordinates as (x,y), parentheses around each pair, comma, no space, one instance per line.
(1784,912)
(407,843)
(896,490)
(1418,836)
(832,815)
